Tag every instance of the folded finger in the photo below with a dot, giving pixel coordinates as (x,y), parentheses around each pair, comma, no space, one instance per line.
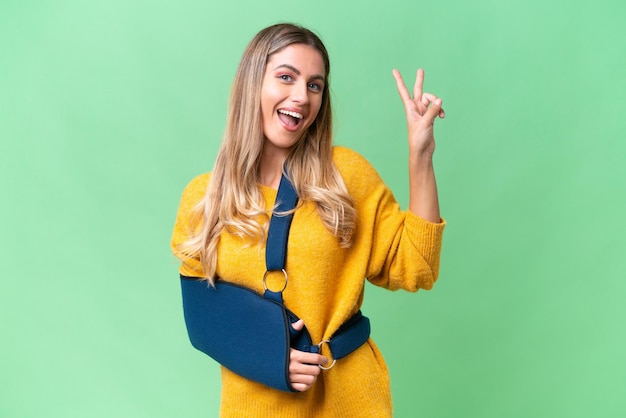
(307,358)
(304,369)
(302,378)
(428,98)
(300,387)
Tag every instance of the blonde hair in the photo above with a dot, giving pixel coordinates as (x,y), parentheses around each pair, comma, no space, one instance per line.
(233,201)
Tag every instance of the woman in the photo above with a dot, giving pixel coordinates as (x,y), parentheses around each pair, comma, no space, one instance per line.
(347,225)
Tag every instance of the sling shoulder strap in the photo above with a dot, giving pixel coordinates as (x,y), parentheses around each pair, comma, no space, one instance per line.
(277,235)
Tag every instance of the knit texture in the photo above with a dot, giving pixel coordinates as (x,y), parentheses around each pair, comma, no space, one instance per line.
(392,248)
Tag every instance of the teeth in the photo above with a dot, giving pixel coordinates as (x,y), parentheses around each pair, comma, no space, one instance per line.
(292,114)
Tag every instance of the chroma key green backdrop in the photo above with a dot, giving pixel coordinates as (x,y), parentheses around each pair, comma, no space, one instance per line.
(108,108)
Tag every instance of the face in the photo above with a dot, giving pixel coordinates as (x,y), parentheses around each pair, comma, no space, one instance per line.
(291,95)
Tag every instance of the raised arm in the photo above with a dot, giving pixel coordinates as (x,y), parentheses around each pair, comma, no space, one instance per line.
(421,111)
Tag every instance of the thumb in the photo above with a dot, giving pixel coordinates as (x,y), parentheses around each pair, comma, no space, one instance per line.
(434,110)
(298,325)
(295,328)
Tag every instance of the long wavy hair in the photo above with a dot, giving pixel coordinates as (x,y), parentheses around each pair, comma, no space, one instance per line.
(233,201)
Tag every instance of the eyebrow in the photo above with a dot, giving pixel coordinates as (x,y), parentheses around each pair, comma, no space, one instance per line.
(295,70)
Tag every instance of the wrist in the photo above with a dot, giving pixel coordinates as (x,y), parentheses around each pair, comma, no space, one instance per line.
(422,160)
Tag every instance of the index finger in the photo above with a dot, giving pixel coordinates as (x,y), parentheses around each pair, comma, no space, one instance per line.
(304,357)
(419,85)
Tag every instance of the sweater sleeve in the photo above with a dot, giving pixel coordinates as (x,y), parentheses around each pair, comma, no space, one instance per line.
(185,225)
(402,250)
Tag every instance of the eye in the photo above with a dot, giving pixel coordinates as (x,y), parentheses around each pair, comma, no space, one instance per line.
(316,87)
(285,77)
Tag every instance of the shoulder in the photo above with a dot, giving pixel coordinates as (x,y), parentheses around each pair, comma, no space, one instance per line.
(195,189)
(346,156)
(354,167)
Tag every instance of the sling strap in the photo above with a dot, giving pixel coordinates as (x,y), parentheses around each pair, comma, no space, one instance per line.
(354,332)
(278,232)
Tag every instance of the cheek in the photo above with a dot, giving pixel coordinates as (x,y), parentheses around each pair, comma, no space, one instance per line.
(266,104)
(316,110)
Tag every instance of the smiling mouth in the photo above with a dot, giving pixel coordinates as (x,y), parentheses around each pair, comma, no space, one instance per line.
(290,120)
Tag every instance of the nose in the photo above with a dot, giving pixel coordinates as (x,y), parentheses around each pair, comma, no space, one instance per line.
(300,92)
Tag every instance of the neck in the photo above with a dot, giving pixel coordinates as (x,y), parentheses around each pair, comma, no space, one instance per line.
(271,168)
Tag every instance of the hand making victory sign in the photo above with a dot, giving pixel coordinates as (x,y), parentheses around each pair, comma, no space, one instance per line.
(421,111)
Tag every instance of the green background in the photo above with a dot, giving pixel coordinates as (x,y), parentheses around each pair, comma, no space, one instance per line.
(108,108)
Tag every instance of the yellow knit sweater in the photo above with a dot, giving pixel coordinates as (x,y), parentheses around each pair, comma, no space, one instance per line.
(392,249)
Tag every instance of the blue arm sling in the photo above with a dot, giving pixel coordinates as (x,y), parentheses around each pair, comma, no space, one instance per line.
(249,333)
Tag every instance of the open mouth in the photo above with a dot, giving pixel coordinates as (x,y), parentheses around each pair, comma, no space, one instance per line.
(290,120)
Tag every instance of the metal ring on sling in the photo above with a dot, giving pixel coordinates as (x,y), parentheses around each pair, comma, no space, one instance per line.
(265,280)
(334,360)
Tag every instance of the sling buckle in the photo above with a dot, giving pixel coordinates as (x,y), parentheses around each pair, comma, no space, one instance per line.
(334,360)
